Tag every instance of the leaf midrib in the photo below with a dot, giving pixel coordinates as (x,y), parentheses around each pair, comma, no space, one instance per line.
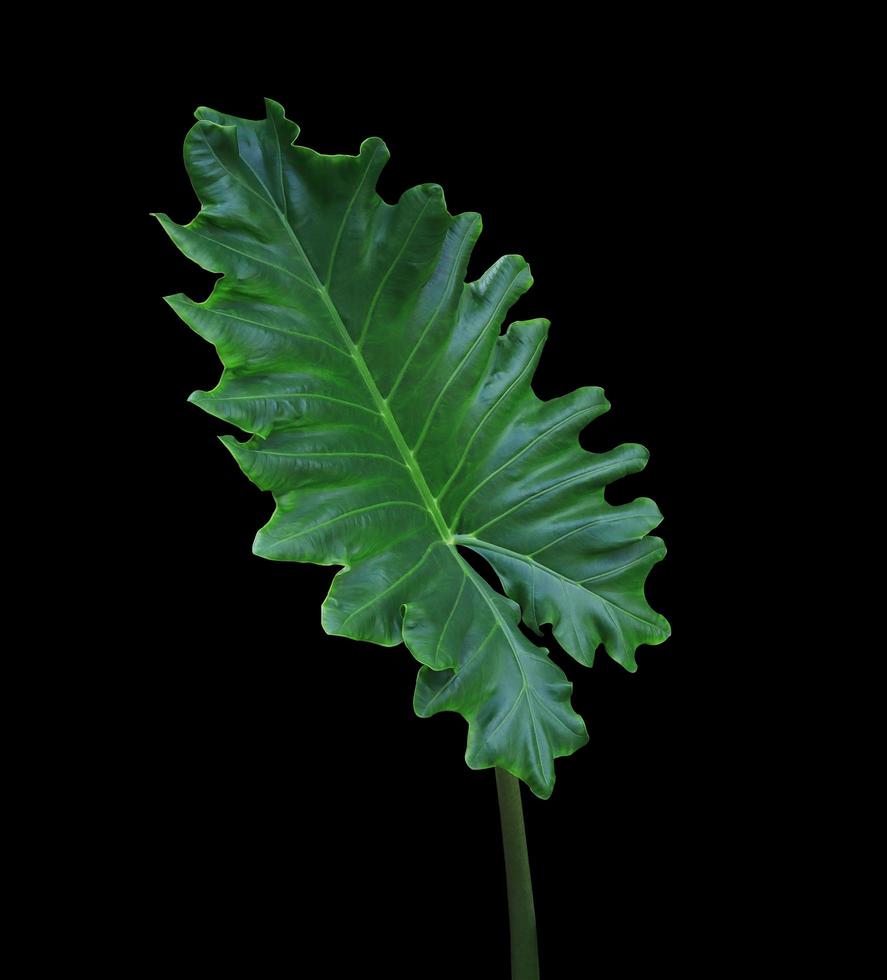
(380,402)
(443,529)
(359,362)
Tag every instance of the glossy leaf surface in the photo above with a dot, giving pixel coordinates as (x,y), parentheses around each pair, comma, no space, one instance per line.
(394,423)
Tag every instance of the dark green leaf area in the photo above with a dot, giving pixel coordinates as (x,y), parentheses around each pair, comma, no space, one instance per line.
(392,421)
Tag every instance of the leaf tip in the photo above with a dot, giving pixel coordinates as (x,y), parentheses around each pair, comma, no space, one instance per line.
(655,515)
(435,193)
(523,277)
(176,300)
(602,403)
(228,441)
(276,115)
(168,225)
(263,546)
(325,623)
(374,145)
(634,454)
(203,113)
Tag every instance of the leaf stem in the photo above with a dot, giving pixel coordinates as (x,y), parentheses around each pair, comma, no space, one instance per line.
(521,911)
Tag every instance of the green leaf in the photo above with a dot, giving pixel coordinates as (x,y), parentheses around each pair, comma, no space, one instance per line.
(393,423)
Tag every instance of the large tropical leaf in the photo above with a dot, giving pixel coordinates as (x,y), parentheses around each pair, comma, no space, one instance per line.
(393,423)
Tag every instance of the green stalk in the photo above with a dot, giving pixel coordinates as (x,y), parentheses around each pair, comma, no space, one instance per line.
(521,912)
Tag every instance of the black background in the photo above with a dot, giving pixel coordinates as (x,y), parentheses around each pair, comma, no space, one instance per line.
(277,799)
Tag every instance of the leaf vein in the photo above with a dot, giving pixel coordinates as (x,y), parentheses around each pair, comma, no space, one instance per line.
(585,474)
(379,289)
(470,540)
(609,519)
(342,517)
(489,412)
(393,586)
(292,394)
(335,249)
(443,633)
(428,325)
(508,463)
(273,328)
(480,335)
(299,455)
(458,671)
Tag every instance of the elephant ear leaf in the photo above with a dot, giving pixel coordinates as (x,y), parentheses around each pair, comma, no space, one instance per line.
(393,423)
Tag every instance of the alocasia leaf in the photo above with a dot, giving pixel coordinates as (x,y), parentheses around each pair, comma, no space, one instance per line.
(393,423)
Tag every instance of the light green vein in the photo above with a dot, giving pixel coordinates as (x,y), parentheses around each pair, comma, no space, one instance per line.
(344,516)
